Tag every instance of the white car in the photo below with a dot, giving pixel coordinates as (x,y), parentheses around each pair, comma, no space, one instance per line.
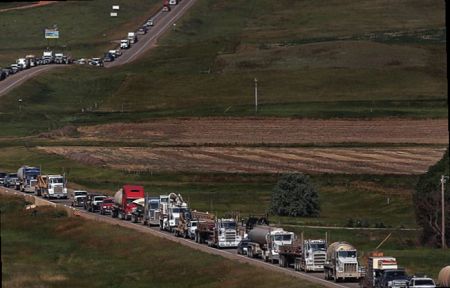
(149,23)
(421,282)
(96,62)
(81,61)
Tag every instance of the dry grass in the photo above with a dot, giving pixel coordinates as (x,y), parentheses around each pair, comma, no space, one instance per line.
(263,160)
(274,131)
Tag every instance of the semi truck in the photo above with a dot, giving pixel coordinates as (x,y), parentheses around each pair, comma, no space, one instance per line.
(25,63)
(170,211)
(265,241)
(313,255)
(219,233)
(31,60)
(123,201)
(51,186)
(27,178)
(166,7)
(375,265)
(188,223)
(132,37)
(124,44)
(48,57)
(342,262)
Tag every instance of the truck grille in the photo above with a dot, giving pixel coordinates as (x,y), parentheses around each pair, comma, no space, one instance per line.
(58,189)
(350,268)
(319,259)
(230,236)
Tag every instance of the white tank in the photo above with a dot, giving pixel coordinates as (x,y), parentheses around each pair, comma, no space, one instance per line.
(444,277)
(259,234)
(118,198)
(338,246)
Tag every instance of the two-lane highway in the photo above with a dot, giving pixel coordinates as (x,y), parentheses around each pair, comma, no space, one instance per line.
(162,20)
(317,278)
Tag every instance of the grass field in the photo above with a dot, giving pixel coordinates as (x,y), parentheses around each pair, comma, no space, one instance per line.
(73,252)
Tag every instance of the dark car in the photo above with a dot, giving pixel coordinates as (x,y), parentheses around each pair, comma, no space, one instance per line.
(10,180)
(3,75)
(108,57)
(242,247)
(9,70)
(2,177)
(394,279)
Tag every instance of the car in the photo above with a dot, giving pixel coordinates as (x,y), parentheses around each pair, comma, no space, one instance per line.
(115,53)
(78,197)
(108,57)
(96,62)
(242,247)
(81,61)
(9,70)
(150,23)
(421,281)
(10,180)
(142,30)
(3,75)
(166,9)
(39,61)
(106,206)
(15,67)
(2,177)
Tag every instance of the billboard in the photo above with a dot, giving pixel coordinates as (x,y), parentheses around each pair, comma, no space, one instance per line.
(51,34)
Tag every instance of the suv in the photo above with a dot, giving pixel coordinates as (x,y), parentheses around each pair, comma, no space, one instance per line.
(242,247)
(78,198)
(421,281)
(394,279)
(149,23)
(94,203)
(106,206)
(10,180)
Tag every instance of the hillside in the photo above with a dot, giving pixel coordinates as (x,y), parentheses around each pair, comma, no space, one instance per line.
(312,59)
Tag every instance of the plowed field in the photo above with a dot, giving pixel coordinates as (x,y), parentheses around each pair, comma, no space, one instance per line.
(262,160)
(273,131)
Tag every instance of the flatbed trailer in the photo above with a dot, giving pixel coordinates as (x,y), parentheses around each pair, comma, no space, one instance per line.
(288,253)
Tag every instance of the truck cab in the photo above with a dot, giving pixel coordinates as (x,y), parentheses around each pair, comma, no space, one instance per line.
(78,198)
(313,255)
(31,60)
(275,240)
(226,233)
(106,206)
(96,202)
(59,58)
(48,57)
(124,44)
(56,187)
(24,63)
(132,37)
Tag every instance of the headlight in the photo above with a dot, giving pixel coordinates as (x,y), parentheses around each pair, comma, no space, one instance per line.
(390,283)
(340,269)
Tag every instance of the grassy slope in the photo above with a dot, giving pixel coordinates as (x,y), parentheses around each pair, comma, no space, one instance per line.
(81,26)
(396,76)
(72,252)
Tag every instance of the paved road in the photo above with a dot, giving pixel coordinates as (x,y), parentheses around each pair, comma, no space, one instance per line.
(227,253)
(163,21)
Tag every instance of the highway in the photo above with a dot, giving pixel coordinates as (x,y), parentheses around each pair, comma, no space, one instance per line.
(227,253)
(162,22)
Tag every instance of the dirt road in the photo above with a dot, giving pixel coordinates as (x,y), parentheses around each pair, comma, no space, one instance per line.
(41,3)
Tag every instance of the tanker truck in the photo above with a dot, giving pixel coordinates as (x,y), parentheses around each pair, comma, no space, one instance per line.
(27,178)
(123,201)
(266,242)
(342,262)
(444,277)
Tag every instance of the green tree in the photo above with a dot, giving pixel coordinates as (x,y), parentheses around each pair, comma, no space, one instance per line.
(296,196)
(427,203)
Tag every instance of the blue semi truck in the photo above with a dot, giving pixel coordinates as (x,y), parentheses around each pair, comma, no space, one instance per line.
(27,178)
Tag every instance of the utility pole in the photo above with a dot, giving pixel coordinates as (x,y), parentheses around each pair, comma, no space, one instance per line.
(443,180)
(20,105)
(256,95)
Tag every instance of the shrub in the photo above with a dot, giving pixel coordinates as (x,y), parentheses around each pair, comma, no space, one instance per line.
(295,196)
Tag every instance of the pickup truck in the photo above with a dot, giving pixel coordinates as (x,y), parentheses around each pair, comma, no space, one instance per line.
(394,279)
(10,180)
(106,206)
(94,203)
(78,197)
(2,177)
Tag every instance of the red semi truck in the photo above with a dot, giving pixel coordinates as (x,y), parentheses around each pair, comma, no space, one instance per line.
(123,201)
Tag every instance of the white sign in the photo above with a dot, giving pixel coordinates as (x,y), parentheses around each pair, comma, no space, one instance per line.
(113,14)
(116,7)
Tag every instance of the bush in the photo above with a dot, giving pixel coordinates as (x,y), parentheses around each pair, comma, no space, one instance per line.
(295,196)
(59,214)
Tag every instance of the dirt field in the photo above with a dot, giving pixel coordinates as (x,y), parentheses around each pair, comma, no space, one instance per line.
(273,131)
(262,160)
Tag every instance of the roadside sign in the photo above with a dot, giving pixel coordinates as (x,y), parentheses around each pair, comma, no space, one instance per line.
(51,34)
(113,14)
(116,7)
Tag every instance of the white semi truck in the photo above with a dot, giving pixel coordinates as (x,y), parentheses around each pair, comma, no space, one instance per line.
(266,241)
(132,37)
(170,211)
(342,262)
(313,256)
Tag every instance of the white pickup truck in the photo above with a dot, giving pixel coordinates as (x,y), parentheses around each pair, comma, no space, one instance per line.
(124,44)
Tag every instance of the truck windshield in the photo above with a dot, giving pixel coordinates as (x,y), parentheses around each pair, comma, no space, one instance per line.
(108,201)
(396,275)
(318,246)
(349,254)
(57,180)
(193,224)
(99,198)
(282,237)
(12,175)
(80,193)
(229,225)
(178,210)
(153,206)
